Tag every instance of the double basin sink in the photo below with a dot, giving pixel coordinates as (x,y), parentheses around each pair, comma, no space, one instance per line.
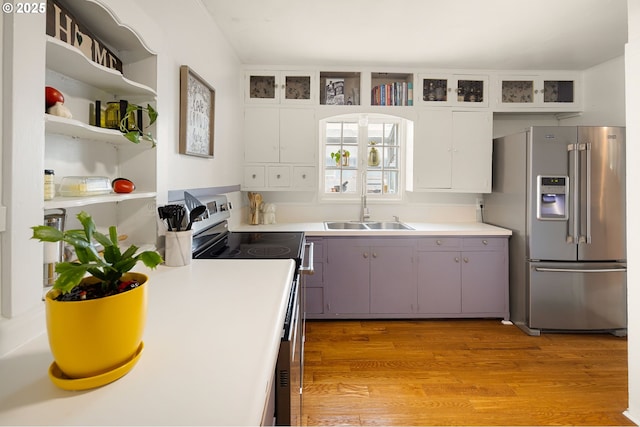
(366,225)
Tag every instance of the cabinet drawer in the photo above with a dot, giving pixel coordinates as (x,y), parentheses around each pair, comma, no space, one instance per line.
(303,177)
(489,243)
(439,243)
(279,176)
(254,176)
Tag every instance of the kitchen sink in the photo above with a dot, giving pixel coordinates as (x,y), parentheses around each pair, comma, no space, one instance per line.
(388,225)
(368,225)
(345,225)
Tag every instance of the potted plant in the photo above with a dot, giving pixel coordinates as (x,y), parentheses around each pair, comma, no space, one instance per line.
(130,127)
(95,323)
(341,157)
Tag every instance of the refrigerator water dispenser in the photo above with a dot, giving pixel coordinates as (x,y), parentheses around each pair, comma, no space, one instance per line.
(553,194)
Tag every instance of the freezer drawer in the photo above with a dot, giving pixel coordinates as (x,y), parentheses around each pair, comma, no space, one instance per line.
(577,296)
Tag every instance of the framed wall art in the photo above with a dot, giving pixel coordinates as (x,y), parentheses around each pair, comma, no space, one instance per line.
(197,108)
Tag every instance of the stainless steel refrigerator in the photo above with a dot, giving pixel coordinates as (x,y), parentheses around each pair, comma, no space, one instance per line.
(561,190)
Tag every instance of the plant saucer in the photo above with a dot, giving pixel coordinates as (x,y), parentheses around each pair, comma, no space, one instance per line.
(66,383)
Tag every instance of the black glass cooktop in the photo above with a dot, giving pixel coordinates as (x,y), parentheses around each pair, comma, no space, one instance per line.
(247,245)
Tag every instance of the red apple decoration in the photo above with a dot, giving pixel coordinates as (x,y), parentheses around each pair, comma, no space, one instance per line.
(52,95)
(122,185)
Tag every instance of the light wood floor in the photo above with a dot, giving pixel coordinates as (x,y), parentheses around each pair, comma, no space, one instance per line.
(460,372)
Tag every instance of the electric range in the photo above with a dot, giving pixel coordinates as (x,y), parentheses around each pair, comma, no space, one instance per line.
(213,240)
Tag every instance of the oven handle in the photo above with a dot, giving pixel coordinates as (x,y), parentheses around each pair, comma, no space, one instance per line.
(309,268)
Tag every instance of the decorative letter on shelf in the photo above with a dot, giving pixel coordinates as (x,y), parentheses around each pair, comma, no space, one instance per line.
(197,107)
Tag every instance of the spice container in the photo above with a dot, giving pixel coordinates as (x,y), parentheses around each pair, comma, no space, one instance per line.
(49,185)
(112,119)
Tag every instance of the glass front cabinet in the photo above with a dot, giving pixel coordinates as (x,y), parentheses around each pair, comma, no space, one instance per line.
(453,89)
(560,92)
(280,87)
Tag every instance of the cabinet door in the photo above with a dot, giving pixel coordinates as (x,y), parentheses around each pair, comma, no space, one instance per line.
(432,150)
(347,273)
(254,177)
(297,139)
(515,91)
(439,287)
(262,87)
(278,176)
(261,135)
(472,151)
(304,177)
(483,282)
(298,87)
(393,279)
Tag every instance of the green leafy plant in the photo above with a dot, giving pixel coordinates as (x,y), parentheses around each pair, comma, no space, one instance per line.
(131,128)
(108,268)
(340,154)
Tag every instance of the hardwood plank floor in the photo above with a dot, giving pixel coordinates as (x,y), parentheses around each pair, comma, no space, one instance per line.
(460,372)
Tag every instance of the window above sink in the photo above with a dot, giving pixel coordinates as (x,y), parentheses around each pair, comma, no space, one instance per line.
(363,155)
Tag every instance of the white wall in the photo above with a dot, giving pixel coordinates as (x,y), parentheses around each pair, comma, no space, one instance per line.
(187,35)
(632,59)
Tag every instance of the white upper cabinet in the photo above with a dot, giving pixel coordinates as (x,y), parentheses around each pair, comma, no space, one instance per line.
(280,87)
(546,91)
(469,90)
(279,135)
(451,152)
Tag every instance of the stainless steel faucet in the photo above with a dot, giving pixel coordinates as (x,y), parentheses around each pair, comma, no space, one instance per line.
(364,210)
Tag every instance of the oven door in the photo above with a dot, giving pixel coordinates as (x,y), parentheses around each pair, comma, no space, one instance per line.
(288,368)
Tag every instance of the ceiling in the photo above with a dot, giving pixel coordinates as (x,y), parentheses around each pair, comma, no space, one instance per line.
(480,34)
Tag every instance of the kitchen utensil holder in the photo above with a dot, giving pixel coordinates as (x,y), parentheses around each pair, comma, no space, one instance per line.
(178,248)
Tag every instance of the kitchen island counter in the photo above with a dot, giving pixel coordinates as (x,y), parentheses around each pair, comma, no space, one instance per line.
(419,229)
(210,348)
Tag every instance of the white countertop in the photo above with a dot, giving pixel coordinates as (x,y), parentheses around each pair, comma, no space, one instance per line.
(419,229)
(211,344)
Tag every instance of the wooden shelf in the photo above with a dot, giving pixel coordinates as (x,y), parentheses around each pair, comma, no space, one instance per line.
(78,129)
(66,59)
(71,202)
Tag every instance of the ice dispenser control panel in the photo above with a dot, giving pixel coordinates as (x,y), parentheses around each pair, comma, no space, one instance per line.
(553,197)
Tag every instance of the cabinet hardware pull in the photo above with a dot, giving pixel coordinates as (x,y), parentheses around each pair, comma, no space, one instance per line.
(438,242)
(304,176)
(253,176)
(278,176)
(366,255)
(485,242)
(465,259)
(457,259)
(375,255)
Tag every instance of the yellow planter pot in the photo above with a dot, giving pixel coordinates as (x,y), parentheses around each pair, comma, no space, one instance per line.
(93,337)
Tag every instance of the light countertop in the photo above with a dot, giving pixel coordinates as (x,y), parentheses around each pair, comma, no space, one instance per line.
(210,348)
(419,229)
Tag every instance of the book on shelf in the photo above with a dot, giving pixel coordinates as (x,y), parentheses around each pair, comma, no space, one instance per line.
(392,94)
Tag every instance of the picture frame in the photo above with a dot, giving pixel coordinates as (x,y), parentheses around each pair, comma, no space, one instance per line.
(197,114)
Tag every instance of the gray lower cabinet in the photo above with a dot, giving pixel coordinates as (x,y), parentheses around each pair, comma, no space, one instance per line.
(370,276)
(314,284)
(408,277)
(463,277)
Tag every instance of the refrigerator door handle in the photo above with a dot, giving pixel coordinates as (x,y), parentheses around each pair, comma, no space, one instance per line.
(580,270)
(587,202)
(573,225)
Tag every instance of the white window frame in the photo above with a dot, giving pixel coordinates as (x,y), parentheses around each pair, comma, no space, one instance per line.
(363,121)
